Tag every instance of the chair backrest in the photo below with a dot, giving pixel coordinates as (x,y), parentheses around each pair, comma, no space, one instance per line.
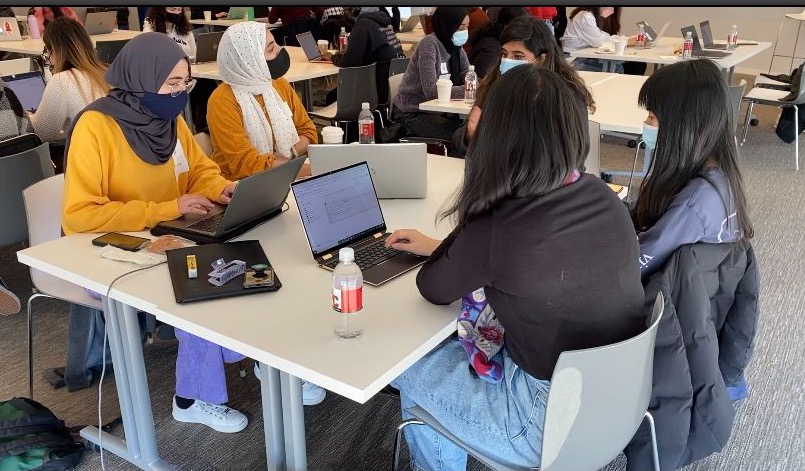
(592,164)
(736,95)
(398,65)
(394,88)
(205,142)
(108,50)
(356,85)
(597,401)
(17,172)
(43,207)
(800,99)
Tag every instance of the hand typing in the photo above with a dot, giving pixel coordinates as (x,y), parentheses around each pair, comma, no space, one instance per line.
(413,241)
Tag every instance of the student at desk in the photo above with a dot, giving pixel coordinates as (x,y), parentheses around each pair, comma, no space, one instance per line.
(560,284)
(173,22)
(132,163)
(585,29)
(256,119)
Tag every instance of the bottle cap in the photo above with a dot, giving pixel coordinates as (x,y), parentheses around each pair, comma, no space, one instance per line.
(472,67)
(346,254)
(364,106)
(343,29)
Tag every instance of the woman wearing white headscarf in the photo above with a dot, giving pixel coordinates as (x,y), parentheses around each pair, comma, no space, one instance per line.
(256,119)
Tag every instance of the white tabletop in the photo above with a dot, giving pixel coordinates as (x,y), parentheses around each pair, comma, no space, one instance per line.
(34,47)
(412,37)
(616,107)
(227,23)
(301,68)
(291,329)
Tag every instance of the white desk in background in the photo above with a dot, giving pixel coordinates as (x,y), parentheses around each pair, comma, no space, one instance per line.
(412,37)
(289,332)
(34,47)
(227,23)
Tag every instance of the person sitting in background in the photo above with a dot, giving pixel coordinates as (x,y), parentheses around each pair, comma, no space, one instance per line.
(560,285)
(296,20)
(438,54)
(78,78)
(372,41)
(173,22)
(584,30)
(485,49)
(478,20)
(14,120)
(289,14)
(256,119)
(526,40)
(44,15)
(545,14)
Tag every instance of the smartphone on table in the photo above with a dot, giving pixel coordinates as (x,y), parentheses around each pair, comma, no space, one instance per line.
(121,241)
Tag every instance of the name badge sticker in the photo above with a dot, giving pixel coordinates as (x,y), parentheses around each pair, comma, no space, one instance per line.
(443,67)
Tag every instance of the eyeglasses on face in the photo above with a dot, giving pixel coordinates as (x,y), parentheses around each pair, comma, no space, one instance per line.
(186,86)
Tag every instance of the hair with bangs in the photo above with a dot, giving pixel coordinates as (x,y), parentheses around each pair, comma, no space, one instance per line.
(696,117)
(532,134)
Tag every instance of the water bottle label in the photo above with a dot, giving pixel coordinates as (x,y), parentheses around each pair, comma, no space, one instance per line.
(342,42)
(368,129)
(348,300)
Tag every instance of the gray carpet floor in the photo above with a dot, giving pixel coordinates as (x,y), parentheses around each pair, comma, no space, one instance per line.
(343,435)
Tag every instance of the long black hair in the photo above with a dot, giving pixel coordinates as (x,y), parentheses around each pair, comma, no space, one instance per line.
(157,16)
(538,39)
(692,103)
(532,134)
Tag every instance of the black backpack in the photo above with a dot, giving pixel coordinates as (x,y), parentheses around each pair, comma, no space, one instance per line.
(33,438)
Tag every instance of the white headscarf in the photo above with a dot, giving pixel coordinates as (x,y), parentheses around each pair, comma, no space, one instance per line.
(242,65)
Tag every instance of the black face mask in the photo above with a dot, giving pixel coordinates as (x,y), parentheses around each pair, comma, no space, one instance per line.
(279,65)
(174,18)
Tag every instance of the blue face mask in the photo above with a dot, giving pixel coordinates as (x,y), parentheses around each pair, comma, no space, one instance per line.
(164,106)
(650,135)
(460,37)
(508,64)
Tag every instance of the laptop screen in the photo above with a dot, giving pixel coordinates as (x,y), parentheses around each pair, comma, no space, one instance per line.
(707,33)
(28,87)
(338,208)
(309,45)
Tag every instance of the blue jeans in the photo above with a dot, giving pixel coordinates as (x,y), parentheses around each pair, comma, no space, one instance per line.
(595,65)
(502,421)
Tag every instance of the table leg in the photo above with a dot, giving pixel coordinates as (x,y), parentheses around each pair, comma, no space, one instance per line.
(730,75)
(307,95)
(293,422)
(272,417)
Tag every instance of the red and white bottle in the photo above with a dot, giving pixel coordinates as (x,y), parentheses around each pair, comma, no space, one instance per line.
(640,40)
(347,296)
(342,40)
(366,125)
(732,38)
(687,46)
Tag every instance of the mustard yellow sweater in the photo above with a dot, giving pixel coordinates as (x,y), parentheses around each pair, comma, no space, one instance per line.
(108,188)
(232,149)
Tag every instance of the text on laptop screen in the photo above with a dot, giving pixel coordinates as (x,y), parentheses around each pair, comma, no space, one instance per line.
(28,88)
(339,207)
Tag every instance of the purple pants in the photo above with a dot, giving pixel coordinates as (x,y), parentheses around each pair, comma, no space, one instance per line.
(200,368)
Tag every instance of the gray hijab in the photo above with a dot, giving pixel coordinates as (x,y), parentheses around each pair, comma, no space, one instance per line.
(142,65)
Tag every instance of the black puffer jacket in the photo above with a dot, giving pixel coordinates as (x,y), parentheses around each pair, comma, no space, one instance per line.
(704,342)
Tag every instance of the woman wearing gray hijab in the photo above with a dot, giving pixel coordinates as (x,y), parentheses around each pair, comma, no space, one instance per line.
(132,163)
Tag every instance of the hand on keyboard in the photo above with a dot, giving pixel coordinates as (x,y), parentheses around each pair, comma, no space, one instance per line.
(194,204)
(413,241)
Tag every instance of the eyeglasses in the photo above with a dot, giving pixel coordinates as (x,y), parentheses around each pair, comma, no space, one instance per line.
(46,51)
(186,86)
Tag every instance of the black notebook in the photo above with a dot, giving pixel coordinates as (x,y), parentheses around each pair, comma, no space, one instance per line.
(188,290)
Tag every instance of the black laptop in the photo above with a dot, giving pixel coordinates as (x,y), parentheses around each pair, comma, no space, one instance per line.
(28,87)
(341,209)
(257,199)
(698,52)
(707,38)
(207,47)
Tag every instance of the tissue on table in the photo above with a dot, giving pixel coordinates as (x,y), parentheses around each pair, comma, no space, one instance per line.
(140,258)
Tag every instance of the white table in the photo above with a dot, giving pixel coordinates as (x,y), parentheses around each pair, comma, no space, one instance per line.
(412,37)
(289,332)
(34,47)
(227,23)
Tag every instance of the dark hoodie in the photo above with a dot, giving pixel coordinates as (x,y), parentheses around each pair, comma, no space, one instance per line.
(372,40)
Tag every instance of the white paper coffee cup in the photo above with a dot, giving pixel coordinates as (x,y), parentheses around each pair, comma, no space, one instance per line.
(443,89)
(332,135)
(207,15)
(620,45)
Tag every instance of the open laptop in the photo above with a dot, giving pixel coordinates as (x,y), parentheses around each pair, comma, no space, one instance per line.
(311,48)
(341,209)
(257,199)
(207,47)
(653,37)
(398,170)
(409,24)
(698,52)
(9,29)
(707,38)
(237,13)
(28,87)
(102,22)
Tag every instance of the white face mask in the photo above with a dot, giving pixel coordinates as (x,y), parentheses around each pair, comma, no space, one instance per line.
(606,12)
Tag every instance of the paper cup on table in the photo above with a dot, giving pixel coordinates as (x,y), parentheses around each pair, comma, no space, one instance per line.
(207,15)
(443,89)
(620,45)
(332,135)
(323,45)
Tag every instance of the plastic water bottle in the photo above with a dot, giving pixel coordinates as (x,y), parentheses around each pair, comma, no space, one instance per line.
(366,125)
(732,38)
(687,47)
(640,41)
(470,86)
(342,40)
(33,25)
(347,296)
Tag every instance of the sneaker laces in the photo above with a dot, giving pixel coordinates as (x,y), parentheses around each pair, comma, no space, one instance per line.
(216,410)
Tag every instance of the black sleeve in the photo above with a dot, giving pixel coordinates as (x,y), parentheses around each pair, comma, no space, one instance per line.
(484,56)
(459,265)
(359,40)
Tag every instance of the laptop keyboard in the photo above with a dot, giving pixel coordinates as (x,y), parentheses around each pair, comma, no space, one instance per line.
(369,255)
(209,225)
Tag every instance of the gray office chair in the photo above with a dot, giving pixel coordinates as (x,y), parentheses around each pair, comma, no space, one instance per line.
(17,172)
(398,66)
(597,401)
(435,146)
(356,85)
(736,95)
(767,96)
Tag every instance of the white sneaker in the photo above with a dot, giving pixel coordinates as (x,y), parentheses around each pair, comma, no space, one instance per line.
(311,394)
(217,417)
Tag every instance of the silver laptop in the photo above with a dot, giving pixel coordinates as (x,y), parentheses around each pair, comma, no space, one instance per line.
(409,24)
(28,88)
(310,47)
(698,52)
(707,38)
(102,22)
(398,170)
(653,37)
(341,209)
(257,199)
(207,47)
(9,29)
